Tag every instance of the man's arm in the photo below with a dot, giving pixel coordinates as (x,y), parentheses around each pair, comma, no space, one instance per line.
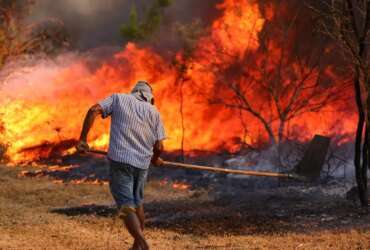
(157,150)
(93,112)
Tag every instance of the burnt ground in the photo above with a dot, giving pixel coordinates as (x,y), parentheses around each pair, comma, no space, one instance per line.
(277,211)
(216,212)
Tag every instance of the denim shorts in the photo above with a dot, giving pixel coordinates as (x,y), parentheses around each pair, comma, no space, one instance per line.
(126,184)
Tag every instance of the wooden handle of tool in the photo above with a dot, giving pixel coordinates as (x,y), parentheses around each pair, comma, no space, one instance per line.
(96,151)
(212,169)
(223,170)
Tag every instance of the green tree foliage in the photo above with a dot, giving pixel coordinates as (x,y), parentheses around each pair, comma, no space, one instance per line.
(143,29)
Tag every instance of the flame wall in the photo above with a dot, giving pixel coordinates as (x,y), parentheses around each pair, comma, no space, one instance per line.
(43,106)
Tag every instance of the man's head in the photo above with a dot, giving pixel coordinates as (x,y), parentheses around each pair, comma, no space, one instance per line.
(143,91)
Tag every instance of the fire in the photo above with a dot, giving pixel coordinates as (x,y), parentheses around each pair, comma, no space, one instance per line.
(90,182)
(56,171)
(178,185)
(43,106)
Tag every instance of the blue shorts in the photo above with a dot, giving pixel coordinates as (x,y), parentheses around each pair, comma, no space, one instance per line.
(126,184)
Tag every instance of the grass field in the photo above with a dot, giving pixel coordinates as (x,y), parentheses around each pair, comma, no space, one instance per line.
(36,213)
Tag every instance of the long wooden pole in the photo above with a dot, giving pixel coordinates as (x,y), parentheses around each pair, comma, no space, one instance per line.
(171,164)
(224,170)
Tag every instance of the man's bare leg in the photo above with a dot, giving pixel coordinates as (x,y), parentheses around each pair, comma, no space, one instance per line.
(136,246)
(133,225)
(141,216)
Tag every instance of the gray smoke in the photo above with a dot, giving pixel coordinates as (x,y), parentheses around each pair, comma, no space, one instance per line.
(90,23)
(96,23)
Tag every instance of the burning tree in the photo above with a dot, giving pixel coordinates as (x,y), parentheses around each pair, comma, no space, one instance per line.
(136,30)
(347,22)
(283,79)
(189,35)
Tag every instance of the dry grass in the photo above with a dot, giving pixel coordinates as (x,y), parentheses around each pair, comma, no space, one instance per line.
(28,220)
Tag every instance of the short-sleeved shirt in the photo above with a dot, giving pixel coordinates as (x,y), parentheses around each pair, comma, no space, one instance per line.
(135,127)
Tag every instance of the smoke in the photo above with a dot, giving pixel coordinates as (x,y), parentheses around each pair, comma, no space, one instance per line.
(90,23)
(22,77)
(96,23)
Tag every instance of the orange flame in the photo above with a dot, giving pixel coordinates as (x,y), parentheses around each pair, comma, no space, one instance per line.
(180,186)
(175,185)
(42,109)
(44,170)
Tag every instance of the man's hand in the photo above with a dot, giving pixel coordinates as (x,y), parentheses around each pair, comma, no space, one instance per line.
(158,162)
(157,150)
(82,146)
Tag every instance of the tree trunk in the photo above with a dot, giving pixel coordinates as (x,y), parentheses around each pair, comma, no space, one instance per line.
(280,140)
(359,163)
(281,131)
(363,192)
(182,120)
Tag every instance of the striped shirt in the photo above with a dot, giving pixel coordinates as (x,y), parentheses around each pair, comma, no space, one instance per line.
(135,127)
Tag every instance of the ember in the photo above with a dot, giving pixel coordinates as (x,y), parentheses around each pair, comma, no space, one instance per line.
(54,170)
(181,186)
(175,185)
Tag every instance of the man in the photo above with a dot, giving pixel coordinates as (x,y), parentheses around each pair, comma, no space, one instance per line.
(136,137)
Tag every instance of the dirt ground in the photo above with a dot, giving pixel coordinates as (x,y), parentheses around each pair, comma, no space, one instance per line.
(36,213)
